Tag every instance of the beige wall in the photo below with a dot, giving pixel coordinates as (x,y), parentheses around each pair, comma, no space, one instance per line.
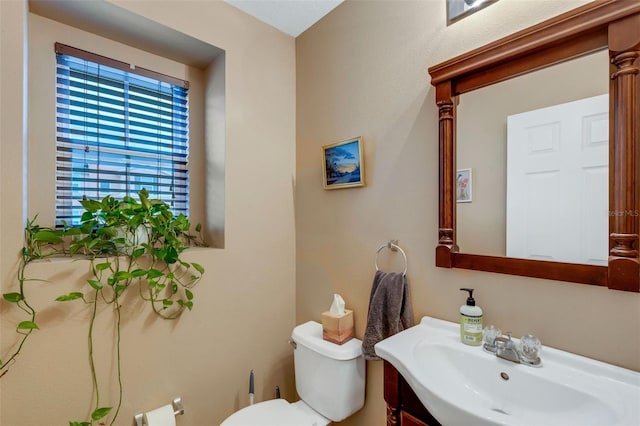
(363,71)
(244,307)
(11,135)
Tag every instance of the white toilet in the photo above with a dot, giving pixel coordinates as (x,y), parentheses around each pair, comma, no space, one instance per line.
(330,381)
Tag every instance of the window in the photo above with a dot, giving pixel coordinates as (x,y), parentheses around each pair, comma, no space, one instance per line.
(118,129)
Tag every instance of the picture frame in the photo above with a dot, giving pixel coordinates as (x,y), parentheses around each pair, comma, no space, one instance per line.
(343,164)
(464,186)
(458,9)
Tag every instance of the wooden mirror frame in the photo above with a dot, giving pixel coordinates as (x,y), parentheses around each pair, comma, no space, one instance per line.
(608,24)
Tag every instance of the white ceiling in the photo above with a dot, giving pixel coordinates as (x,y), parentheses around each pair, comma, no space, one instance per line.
(292,17)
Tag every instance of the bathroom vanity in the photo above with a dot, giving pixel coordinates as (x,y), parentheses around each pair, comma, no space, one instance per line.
(403,406)
(427,366)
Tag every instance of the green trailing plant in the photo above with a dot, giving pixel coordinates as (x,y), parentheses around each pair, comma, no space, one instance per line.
(129,244)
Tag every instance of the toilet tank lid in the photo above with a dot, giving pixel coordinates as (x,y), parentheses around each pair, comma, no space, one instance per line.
(309,334)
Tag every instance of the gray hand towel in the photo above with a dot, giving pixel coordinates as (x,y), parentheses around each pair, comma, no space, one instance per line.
(389,310)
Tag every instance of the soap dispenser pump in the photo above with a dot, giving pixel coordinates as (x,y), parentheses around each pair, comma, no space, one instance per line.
(470,321)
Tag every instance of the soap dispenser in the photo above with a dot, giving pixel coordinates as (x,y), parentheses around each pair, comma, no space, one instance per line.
(470,321)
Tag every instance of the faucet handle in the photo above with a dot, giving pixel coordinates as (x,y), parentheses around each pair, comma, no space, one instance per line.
(530,349)
(489,335)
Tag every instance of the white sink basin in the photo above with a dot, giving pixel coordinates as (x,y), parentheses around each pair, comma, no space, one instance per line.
(462,385)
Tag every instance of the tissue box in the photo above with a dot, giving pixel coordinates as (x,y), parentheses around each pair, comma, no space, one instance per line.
(337,328)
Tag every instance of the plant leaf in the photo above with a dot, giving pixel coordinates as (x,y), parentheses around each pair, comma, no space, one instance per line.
(48,236)
(198,267)
(188,305)
(137,252)
(136,273)
(87,225)
(103,266)
(93,243)
(110,231)
(122,275)
(100,413)
(188,293)
(79,424)
(154,273)
(73,248)
(69,296)
(73,231)
(91,206)
(161,254)
(167,302)
(171,255)
(144,198)
(12,297)
(27,325)
(97,285)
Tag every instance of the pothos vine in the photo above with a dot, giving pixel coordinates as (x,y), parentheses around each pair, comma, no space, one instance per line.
(129,244)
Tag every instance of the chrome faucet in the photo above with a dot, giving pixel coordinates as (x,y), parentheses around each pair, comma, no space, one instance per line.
(506,349)
(526,353)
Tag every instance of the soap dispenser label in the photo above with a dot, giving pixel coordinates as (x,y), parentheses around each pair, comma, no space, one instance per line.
(472,325)
(471,330)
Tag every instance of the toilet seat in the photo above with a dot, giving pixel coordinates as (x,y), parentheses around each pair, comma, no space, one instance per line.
(276,412)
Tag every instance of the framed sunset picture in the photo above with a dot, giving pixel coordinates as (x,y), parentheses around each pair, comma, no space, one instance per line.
(343,164)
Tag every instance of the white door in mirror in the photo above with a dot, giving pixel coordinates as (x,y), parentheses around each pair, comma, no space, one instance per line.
(558,182)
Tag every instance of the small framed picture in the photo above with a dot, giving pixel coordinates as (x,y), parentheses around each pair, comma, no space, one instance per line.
(464,186)
(343,164)
(458,9)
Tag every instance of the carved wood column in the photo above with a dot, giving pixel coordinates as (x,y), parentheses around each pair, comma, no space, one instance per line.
(446,103)
(624,168)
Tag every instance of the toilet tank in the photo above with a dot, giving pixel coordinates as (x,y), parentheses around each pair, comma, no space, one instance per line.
(330,378)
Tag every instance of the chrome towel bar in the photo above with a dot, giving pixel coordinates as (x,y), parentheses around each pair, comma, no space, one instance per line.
(393,246)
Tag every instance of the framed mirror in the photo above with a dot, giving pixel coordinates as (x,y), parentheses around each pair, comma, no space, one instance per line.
(597,31)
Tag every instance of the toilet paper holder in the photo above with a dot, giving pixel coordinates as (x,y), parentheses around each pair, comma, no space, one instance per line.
(178,410)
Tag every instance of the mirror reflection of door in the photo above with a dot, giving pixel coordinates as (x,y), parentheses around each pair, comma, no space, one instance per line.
(557,182)
(481,135)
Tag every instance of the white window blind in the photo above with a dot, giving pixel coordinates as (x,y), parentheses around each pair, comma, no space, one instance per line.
(118,129)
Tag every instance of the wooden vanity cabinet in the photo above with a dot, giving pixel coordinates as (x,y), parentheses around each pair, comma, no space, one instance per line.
(403,406)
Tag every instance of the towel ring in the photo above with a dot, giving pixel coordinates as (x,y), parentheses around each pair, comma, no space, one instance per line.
(394,247)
